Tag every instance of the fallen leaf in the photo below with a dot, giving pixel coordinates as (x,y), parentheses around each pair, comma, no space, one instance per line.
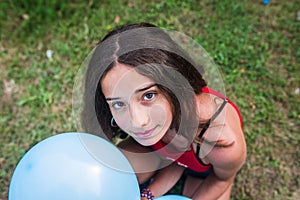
(117,19)
(252,105)
(25,16)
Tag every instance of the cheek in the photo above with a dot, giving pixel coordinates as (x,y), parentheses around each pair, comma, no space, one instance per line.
(123,120)
(161,114)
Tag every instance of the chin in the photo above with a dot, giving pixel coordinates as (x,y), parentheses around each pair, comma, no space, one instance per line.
(145,143)
(148,142)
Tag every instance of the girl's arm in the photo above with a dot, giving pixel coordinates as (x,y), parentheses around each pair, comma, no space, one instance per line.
(165,179)
(226,160)
(220,181)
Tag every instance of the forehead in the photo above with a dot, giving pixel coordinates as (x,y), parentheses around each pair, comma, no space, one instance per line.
(123,80)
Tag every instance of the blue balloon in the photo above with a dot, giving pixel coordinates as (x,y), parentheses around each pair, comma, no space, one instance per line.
(172,197)
(77,166)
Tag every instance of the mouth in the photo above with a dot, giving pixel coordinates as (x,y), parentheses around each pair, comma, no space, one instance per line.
(144,134)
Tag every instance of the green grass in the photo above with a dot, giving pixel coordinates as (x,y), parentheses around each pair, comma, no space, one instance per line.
(256,47)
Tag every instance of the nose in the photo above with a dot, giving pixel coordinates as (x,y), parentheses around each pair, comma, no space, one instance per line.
(139,115)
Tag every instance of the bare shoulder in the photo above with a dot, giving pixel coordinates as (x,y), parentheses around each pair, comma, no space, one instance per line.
(227,159)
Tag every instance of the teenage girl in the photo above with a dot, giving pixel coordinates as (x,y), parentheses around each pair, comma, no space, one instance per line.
(141,83)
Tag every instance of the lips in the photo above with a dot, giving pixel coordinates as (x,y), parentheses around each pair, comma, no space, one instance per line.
(144,134)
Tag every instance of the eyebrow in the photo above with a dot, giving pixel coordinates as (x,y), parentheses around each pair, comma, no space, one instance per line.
(111,99)
(146,88)
(139,90)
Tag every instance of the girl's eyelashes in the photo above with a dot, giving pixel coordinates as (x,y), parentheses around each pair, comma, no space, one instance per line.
(149,96)
(117,105)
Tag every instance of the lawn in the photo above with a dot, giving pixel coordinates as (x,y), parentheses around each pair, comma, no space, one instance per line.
(256,47)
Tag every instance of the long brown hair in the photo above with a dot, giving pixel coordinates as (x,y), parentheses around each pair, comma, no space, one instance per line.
(153,54)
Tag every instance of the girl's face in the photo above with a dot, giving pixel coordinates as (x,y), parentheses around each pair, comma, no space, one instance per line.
(137,105)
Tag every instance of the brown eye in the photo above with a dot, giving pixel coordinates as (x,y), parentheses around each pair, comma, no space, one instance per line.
(149,96)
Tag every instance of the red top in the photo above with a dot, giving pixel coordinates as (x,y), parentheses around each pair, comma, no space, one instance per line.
(189,159)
